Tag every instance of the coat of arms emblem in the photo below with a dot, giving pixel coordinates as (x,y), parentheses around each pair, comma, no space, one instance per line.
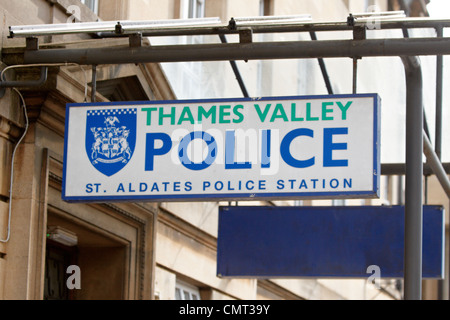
(110,138)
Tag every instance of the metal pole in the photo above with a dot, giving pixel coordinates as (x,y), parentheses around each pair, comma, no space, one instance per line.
(94,82)
(355,75)
(439,67)
(323,68)
(414,172)
(236,70)
(436,165)
(243,51)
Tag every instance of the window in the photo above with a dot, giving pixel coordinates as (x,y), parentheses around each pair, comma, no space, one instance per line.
(91,4)
(185,291)
(188,77)
(265,7)
(196,8)
(192,9)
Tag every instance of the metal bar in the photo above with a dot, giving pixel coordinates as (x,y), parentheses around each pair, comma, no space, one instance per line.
(436,165)
(323,68)
(355,75)
(122,27)
(391,169)
(223,29)
(236,71)
(247,51)
(414,173)
(425,124)
(27,83)
(438,129)
(94,82)
(411,23)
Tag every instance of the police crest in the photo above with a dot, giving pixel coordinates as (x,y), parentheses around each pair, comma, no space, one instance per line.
(110,138)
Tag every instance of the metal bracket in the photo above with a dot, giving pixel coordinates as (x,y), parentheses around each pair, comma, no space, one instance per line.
(118,28)
(232,24)
(245,35)
(135,40)
(32,43)
(18,84)
(351,20)
(359,33)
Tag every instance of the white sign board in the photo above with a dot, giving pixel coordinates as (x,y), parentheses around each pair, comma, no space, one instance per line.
(266,148)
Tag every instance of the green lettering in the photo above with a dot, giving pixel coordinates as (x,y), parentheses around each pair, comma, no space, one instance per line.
(325,110)
(223,114)
(344,108)
(202,113)
(308,113)
(238,113)
(149,114)
(171,115)
(279,109)
(262,115)
(186,115)
(293,109)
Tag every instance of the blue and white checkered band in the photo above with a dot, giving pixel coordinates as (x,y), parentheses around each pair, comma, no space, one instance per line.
(111,112)
(110,138)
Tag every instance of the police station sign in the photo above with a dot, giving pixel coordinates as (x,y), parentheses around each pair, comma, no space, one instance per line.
(264,148)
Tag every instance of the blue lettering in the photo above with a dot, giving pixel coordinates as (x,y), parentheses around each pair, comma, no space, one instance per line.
(212,150)
(90,187)
(265,149)
(303,184)
(334,183)
(155,187)
(230,142)
(285,148)
(347,183)
(329,146)
(292,183)
(218,185)
(151,151)
(280,184)
(262,184)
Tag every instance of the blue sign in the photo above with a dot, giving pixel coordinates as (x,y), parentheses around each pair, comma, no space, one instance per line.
(323,242)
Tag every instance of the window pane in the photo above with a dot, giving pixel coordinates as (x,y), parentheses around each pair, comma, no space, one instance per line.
(91,4)
(177,294)
(186,291)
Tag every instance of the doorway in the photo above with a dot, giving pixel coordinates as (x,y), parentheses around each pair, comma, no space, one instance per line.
(101,259)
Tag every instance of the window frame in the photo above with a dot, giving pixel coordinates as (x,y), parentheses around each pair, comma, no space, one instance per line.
(185,289)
